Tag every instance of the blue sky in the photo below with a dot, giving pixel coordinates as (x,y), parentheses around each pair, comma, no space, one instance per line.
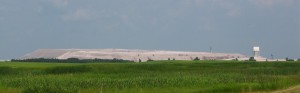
(232,26)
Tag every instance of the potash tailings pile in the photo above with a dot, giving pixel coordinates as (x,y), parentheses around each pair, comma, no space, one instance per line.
(129,54)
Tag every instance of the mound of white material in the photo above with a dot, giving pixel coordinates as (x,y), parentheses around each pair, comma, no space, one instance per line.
(127,54)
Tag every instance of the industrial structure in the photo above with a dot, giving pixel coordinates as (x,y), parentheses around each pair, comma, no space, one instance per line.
(256,54)
(256,51)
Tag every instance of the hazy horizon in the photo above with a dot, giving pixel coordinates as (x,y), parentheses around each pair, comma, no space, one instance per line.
(228,26)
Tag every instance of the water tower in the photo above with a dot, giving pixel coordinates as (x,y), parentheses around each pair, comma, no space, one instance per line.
(256,51)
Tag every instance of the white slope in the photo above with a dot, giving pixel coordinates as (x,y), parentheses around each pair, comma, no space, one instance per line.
(128,54)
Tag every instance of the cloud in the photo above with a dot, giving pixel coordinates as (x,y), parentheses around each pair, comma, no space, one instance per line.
(60,3)
(271,3)
(79,14)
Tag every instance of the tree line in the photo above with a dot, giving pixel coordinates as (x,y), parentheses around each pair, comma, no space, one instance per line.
(69,60)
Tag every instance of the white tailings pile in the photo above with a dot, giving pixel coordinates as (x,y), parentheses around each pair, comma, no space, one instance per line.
(128,54)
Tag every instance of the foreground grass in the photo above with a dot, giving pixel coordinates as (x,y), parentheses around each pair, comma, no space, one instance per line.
(151,77)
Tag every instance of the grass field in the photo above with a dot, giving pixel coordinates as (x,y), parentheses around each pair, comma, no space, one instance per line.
(150,77)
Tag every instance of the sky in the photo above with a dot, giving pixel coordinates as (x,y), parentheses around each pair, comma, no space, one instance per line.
(230,26)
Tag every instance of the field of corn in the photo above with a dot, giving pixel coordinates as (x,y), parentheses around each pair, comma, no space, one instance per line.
(149,77)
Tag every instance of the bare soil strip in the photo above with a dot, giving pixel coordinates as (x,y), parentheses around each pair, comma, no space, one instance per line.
(294,89)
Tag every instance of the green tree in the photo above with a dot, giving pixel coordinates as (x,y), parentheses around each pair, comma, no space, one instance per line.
(252,59)
(196,58)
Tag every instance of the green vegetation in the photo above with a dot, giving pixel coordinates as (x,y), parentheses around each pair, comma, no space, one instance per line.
(287,59)
(150,77)
(252,59)
(196,59)
(69,60)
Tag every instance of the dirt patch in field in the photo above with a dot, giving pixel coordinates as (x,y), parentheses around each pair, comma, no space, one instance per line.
(294,89)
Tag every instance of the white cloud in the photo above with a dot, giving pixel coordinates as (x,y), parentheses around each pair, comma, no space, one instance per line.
(271,3)
(79,14)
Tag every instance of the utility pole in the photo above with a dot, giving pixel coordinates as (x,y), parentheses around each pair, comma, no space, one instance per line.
(272,56)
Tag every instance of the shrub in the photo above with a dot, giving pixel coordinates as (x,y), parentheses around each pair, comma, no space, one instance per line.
(49,89)
(7,70)
(68,69)
(287,59)
(196,58)
(149,59)
(252,59)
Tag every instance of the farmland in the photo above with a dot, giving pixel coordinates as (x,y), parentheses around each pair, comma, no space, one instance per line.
(149,77)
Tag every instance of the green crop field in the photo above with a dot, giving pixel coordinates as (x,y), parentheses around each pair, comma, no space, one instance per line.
(150,77)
